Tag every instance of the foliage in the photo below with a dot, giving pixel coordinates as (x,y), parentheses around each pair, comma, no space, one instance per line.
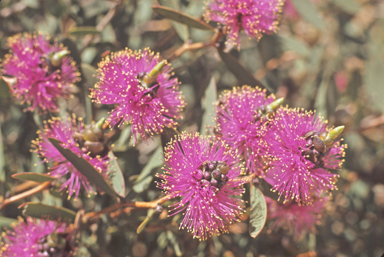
(326,56)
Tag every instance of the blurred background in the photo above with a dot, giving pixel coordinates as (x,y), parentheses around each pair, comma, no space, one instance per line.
(327,56)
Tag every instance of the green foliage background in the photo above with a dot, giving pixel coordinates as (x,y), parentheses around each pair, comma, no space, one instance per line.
(328,57)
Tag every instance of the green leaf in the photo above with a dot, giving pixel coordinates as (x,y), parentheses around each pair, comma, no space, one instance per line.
(291,43)
(84,167)
(241,73)
(89,73)
(143,224)
(172,238)
(181,29)
(348,6)
(42,211)
(309,11)
(2,158)
(117,178)
(6,222)
(374,75)
(81,31)
(167,135)
(181,17)
(207,103)
(72,47)
(258,215)
(154,162)
(5,90)
(36,177)
(142,185)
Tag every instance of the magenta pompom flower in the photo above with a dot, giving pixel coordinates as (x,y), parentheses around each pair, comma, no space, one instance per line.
(42,71)
(204,173)
(37,238)
(294,218)
(301,148)
(139,84)
(64,131)
(254,16)
(240,122)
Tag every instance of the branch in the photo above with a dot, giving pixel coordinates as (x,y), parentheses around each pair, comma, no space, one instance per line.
(113,208)
(21,196)
(187,46)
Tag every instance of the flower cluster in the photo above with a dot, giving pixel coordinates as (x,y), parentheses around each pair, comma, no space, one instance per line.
(42,71)
(300,152)
(139,85)
(254,16)
(37,238)
(240,122)
(65,131)
(204,173)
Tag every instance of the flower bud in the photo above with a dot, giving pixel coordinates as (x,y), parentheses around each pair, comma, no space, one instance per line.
(56,57)
(333,134)
(270,108)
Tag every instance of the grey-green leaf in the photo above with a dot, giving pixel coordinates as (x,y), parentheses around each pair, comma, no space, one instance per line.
(181,29)
(207,103)
(36,177)
(42,211)
(117,178)
(81,31)
(349,6)
(180,17)
(143,224)
(84,167)
(5,91)
(241,73)
(6,222)
(154,161)
(309,11)
(258,215)
(374,76)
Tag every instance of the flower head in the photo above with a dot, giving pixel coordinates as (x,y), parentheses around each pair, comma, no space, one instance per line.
(37,238)
(66,131)
(300,151)
(254,16)
(240,121)
(139,85)
(293,217)
(43,71)
(204,173)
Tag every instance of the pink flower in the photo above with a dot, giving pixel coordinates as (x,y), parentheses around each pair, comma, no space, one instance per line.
(299,158)
(39,82)
(64,130)
(294,218)
(139,85)
(204,173)
(254,16)
(240,122)
(37,238)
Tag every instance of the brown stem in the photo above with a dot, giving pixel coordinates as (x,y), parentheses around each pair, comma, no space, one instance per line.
(142,205)
(187,47)
(195,46)
(24,186)
(21,196)
(372,123)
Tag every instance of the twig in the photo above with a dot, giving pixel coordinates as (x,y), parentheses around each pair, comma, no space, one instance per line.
(24,186)
(21,196)
(100,26)
(187,46)
(372,123)
(142,205)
